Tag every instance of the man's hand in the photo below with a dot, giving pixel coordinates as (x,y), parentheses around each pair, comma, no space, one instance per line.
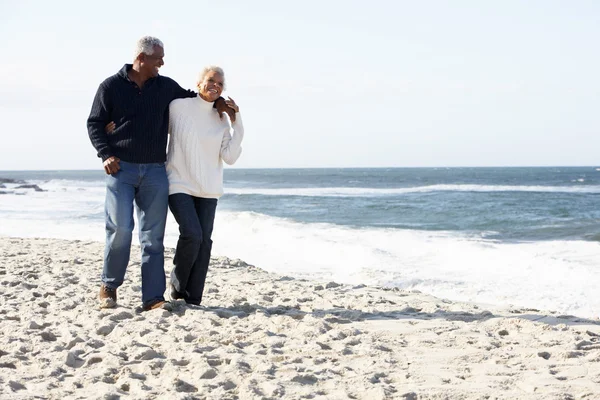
(111,165)
(231,104)
(222,107)
(110,127)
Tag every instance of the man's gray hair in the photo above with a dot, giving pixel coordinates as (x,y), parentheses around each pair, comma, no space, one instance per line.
(211,68)
(146,45)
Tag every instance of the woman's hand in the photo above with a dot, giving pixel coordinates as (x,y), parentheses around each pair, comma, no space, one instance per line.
(231,104)
(110,127)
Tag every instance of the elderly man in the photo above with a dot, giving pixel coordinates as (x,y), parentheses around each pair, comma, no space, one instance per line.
(134,153)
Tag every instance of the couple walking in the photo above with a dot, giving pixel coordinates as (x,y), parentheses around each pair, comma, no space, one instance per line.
(132,115)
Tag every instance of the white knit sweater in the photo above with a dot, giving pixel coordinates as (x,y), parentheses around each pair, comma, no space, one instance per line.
(198,145)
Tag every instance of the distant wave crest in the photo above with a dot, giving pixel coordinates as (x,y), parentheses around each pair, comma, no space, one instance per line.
(366,192)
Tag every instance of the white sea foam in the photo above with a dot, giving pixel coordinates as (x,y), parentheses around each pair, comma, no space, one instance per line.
(364,192)
(67,183)
(557,275)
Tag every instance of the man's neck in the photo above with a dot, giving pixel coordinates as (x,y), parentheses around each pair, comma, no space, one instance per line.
(137,76)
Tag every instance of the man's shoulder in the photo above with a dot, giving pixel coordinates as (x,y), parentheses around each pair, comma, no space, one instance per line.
(111,81)
(165,80)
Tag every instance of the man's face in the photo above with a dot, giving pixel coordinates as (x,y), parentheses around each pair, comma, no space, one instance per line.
(151,64)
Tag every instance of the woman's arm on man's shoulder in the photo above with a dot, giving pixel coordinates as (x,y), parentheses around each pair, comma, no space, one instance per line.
(231,145)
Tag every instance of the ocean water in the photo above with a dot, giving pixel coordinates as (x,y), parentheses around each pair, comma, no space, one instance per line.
(528,237)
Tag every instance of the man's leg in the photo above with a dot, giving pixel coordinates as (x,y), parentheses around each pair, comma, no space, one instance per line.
(190,239)
(205,210)
(120,192)
(152,201)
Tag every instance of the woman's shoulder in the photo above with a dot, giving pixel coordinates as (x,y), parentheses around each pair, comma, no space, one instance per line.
(181,105)
(183,101)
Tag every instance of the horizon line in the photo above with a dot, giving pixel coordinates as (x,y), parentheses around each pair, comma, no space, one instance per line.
(305,168)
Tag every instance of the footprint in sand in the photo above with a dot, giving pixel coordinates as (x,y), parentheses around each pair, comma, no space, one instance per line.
(8,365)
(73,360)
(35,325)
(179,363)
(324,346)
(213,361)
(307,379)
(48,336)
(121,316)
(105,330)
(94,360)
(16,386)
(149,354)
(184,387)
(95,343)
(228,385)
(145,332)
(267,368)
(544,354)
(568,372)
(208,374)
(377,377)
(188,338)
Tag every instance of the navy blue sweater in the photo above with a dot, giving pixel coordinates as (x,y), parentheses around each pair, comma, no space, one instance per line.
(141,117)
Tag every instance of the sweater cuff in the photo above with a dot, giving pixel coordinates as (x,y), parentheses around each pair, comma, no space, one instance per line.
(104,155)
(238,118)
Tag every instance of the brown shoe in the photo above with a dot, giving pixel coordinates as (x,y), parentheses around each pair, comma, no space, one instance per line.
(157,304)
(108,297)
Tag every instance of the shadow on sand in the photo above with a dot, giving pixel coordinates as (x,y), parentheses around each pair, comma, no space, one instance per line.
(346,315)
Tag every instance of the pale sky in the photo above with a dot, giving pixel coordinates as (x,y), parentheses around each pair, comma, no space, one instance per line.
(322,83)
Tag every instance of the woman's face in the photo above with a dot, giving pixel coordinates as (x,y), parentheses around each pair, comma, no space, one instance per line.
(211,87)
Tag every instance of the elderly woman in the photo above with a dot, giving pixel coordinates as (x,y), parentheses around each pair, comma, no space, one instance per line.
(200,142)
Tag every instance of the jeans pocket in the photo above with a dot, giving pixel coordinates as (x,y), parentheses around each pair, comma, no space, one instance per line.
(110,177)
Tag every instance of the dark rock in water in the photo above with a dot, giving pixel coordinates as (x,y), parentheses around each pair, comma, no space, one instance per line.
(2,186)
(7,180)
(4,192)
(34,187)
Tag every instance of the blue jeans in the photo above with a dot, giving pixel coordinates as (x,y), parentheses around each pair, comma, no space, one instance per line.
(195,216)
(147,185)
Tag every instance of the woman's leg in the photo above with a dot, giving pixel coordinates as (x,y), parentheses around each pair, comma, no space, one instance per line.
(205,210)
(190,239)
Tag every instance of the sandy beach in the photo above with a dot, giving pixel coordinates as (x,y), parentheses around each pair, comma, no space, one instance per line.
(263,336)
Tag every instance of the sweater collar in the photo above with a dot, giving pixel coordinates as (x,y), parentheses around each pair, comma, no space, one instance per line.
(203,104)
(123,73)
